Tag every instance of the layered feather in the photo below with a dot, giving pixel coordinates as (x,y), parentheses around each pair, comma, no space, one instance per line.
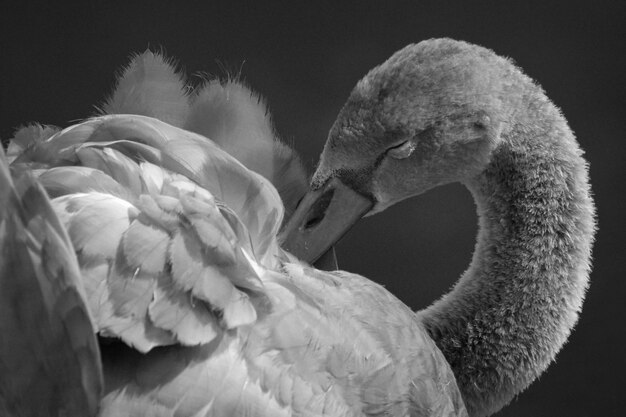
(48,349)
(171,233)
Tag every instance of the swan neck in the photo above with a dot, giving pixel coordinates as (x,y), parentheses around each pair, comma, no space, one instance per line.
(513,309)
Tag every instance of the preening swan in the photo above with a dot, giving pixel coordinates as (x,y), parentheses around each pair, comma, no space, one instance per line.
(200,312)
(442,111)
(176,243)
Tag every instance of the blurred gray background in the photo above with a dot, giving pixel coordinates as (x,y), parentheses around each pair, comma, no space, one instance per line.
(58,60)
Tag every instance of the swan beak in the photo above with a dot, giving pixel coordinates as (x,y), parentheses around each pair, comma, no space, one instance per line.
(322,218)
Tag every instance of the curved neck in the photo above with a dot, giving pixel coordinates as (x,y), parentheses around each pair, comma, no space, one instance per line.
(515,306)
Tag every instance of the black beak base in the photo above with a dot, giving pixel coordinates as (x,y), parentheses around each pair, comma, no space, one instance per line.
(322,218)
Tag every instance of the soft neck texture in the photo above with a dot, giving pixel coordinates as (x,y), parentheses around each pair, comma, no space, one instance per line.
(515,306)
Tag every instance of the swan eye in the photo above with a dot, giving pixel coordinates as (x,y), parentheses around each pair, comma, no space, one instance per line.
(401,151)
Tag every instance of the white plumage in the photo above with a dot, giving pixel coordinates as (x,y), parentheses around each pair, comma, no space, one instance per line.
(198,309)
(177,246)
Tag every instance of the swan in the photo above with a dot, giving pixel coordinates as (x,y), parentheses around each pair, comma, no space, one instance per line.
(198,309)
(442,111)
(168,245)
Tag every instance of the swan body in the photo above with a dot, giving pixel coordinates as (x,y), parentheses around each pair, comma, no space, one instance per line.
(443,111)
(198,310)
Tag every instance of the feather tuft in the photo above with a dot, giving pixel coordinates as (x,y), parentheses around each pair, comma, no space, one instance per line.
(150,86)
(235,118)
(28,136)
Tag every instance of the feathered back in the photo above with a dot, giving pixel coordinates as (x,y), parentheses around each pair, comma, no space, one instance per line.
(168,228)
(48,348)
(227,112)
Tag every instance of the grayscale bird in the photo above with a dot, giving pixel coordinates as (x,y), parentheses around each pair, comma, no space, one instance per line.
(173,200)
(446,111)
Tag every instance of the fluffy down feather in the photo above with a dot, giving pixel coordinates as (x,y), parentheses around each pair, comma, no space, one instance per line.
(227,112)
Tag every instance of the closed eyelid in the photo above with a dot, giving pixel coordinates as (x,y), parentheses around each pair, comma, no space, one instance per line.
(402,150)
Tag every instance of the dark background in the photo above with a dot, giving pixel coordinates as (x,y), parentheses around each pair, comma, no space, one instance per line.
(59,59)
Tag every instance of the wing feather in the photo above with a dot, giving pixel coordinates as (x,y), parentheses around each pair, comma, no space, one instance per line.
(60,181)
(114,164)
(191,321)
(145,246)
(97,222)
(169,252)
(47,341)
(193,272)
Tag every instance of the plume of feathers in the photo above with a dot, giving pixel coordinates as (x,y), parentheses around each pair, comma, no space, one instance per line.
(225,111)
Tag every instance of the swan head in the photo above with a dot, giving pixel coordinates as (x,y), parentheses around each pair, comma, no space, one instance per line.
(430,115)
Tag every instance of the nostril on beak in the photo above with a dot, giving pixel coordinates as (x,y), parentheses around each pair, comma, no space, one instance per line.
(318,211)
(300,201)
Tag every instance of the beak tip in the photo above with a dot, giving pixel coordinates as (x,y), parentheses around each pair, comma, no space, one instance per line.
(322,218)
